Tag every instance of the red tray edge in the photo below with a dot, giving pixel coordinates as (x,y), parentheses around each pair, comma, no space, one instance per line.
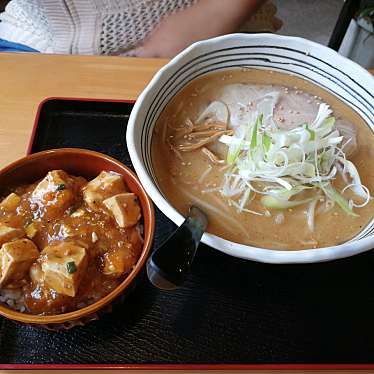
(151,367)
(192,367)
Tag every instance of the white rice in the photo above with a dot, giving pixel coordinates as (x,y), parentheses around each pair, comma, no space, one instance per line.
(13,298)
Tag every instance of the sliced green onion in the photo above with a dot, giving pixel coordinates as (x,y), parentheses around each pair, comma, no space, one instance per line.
(258,123)
(312,134)
(332,194)
(285,162)
(71,267)
(323,112)
(266,142)
(232,156)
(285,194)
(272,202)
(235,149)
(329,122)
(350,168)
(60,187)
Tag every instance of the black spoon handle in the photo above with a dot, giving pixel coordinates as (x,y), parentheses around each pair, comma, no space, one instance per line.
(170,263)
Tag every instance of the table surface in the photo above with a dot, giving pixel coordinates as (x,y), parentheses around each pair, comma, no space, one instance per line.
(28,79)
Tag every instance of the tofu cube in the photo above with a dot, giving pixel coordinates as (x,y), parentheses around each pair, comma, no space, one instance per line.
(54,181)
(16,258)
(11,202)
(63,266)
(31,230)
(106,184)
(124,208)
(54,193)
(118,261)
(8,233)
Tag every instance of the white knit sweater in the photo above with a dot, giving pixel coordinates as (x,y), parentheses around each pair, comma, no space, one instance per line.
(84,26)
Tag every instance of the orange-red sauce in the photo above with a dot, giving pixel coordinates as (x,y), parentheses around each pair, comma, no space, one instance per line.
(53,227)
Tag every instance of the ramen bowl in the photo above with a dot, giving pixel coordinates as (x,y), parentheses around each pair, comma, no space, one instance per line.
(88,164)
(299,57)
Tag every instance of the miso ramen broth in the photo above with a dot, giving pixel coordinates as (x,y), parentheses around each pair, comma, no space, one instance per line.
(264,155)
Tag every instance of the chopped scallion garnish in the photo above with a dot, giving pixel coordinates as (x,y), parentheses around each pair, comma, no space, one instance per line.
(71,267)
(289,167)
(60,187)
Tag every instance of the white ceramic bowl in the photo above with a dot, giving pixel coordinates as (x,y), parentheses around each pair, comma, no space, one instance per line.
(306,59)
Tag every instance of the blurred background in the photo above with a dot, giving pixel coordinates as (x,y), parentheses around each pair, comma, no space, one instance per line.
(346,26)
(314,19)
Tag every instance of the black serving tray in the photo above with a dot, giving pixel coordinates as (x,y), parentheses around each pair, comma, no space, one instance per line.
(229,311)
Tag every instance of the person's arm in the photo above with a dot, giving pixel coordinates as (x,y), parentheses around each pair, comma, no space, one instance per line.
(205,19)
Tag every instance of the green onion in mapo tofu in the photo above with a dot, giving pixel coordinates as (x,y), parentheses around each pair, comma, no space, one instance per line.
(71,267)
(60,187)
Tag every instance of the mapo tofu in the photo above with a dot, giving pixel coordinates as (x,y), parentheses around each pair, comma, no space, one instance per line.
(65,242)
